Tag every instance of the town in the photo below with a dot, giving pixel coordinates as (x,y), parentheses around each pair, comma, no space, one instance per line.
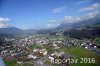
(46,50)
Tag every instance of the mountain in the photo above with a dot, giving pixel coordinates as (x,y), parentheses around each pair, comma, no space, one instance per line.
(29,31)
(77,25)
(84,24)
(10,30)
(14,30)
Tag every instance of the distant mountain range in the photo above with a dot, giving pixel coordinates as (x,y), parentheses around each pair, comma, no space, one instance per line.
(64,26)
(78,25)
(14,30)
(10,30)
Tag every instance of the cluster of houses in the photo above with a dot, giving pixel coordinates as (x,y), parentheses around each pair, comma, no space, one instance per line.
(91,47)
(17,48)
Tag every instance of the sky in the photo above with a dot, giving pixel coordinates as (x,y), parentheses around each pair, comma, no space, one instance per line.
(35,14)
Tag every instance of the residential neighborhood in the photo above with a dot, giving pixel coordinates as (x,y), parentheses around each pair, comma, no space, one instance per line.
(38,49)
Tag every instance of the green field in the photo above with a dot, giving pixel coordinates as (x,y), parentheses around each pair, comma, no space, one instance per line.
(97,40)
(27,64)
(34,46)
(82,53)
(13,62)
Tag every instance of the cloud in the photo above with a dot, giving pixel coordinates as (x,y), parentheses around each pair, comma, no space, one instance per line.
(73,19)
(91,15)
(4,19)
(81,2)
(49,25)
(52,21)
(67,19)
(3,23)
(52,25)
(59,10)
(95,6)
